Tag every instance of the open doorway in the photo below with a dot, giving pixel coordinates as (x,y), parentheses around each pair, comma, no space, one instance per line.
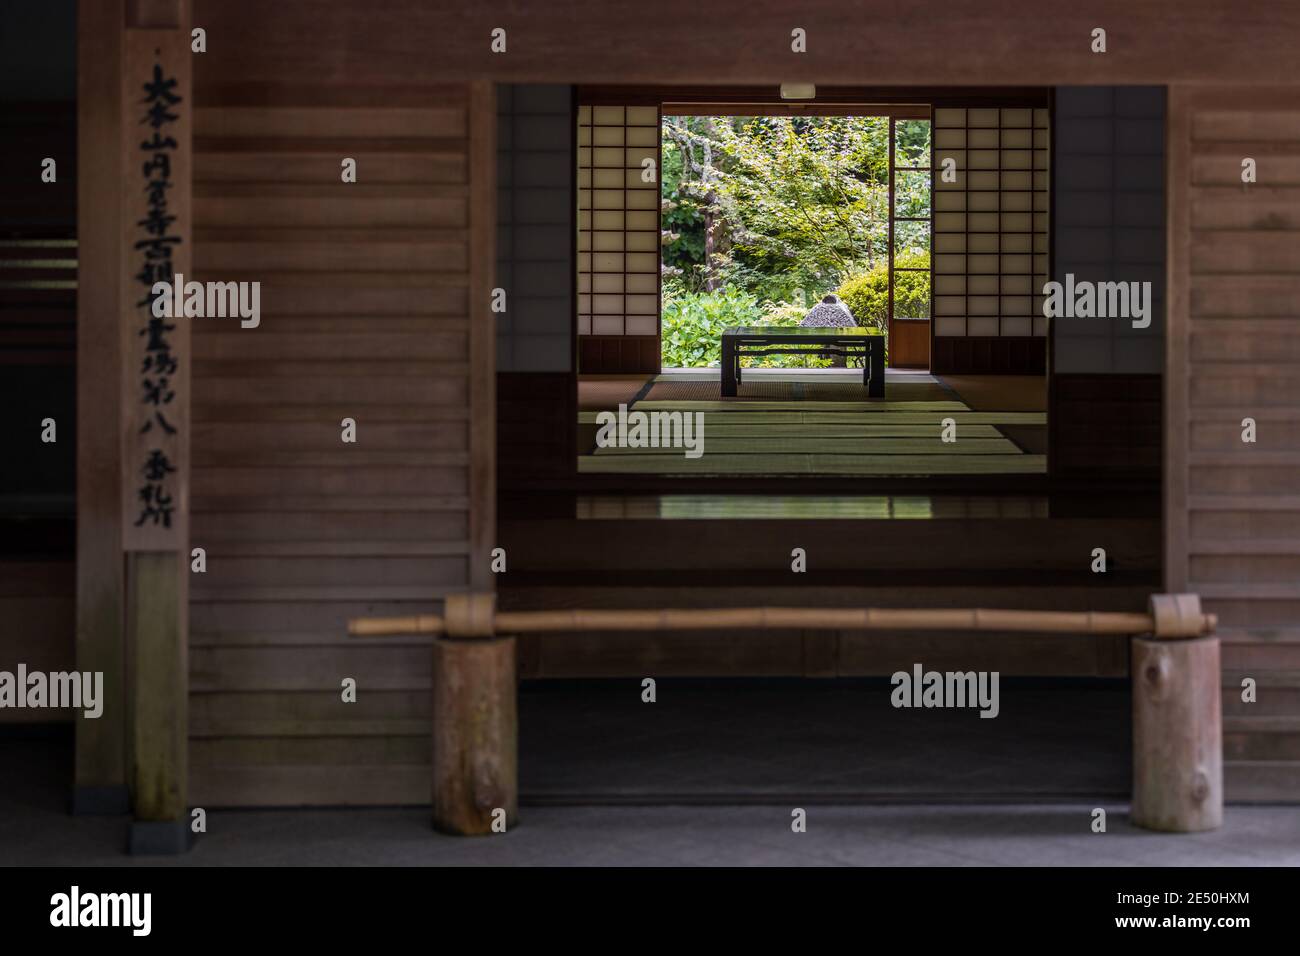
(780,219)
(776,275)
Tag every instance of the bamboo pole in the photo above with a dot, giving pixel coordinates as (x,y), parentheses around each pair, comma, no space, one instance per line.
(1187,623)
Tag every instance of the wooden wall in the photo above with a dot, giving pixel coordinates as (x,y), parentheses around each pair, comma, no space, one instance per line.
(367,289)
(1232,508)
(946,42)
(275,733)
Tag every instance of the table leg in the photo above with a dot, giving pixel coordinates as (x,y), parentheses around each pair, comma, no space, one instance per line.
(875,364)
(729,363)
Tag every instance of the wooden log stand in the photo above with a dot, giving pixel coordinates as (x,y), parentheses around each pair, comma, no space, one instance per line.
(1177,715)
(475,722)
(1177,722)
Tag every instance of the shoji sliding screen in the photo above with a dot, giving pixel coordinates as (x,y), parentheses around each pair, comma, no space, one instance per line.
(618,238)
(991,239)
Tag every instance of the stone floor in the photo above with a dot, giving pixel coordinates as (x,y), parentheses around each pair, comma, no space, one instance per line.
(709,775)
(1003,835)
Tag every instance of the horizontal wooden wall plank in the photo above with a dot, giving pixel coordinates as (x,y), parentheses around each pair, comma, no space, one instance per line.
(1224,169)
(294,786)
(343,211)
(314,481)
(232,727)
(1253,568)
(251,594)
(293,368)
(1253,615)
(205,233)
(1288,590)
(213,709)
(397,569)
(340,253)
(1262,656)
(1248,296)
(222,552)
(1264,481)
(245,437)
(356,391)
(217,504)
(319,668)
(1244,251)
(1241,528)
(345,458)
(1245,346)
(1261,781)
(215,621)
(1264,390)
(265,165)
(442,346)
(370,752)
(1247,123)
(358,122)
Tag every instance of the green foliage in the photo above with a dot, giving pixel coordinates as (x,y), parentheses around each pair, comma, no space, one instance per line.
(867,293)
(693,324)
(684,205)
(782,205)
(805,200)
(778,211)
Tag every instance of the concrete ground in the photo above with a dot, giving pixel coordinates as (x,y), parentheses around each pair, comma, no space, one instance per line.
(677,836)
(35,829)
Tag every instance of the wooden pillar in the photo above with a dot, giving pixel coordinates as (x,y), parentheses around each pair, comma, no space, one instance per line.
(475,723)
(99,777)
(1177,725)
(155,146)
(159,724)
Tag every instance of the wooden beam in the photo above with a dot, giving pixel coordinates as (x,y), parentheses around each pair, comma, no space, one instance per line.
(948,42)
(101,750)
(1178,148)
(482,332)
(157,103)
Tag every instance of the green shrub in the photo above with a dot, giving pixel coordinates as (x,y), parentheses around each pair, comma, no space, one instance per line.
(781,314)
(867,293)
(693,323)
(784,315)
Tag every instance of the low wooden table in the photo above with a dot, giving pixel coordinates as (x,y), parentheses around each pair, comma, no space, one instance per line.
(860,343)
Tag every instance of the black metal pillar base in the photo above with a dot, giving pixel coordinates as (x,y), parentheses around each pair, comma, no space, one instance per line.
(159,838)
(100,801)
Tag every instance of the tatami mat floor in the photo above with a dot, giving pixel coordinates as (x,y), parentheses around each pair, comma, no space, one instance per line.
(796,424)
